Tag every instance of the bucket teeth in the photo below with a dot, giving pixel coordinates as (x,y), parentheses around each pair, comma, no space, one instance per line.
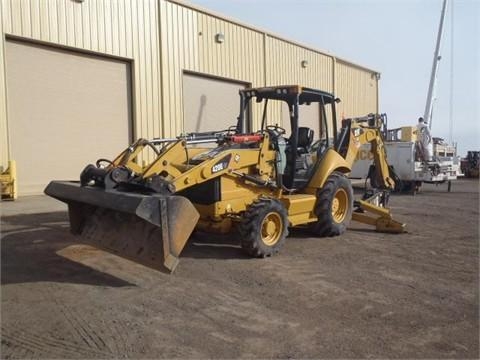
(149,229)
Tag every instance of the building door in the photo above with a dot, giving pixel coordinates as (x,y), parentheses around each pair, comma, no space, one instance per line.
(65,110)
(210,104)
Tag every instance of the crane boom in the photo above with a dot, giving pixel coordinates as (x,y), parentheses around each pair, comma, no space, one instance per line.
(433,77)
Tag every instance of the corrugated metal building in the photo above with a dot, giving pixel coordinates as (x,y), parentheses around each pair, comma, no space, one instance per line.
(79,79)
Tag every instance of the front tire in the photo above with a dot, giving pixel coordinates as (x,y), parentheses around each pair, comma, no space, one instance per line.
(264,228)
(334,206)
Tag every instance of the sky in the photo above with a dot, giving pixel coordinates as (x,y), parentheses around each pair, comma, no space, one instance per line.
(396,38)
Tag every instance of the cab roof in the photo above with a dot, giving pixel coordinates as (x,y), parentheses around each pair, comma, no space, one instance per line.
(289,92)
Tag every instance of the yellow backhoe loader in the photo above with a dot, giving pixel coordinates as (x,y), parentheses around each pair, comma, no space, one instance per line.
(257,184)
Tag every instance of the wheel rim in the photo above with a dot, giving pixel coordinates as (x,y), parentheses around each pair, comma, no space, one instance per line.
(272,228)
(340,205)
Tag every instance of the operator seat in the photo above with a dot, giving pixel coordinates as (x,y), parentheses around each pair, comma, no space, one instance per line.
(303,162)
(305,139)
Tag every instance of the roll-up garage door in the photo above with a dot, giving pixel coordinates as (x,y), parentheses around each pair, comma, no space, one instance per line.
(209,104)
(65,110)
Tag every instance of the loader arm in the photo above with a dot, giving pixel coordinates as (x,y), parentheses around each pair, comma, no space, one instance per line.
(128,157)
(182,171)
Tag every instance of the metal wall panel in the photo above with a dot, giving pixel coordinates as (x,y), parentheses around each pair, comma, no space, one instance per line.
(165,38)
(284,67)
(357,89)
(4,152)
(188,37)
(120,28)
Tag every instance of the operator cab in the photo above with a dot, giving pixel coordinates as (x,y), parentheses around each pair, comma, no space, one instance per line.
(301,123)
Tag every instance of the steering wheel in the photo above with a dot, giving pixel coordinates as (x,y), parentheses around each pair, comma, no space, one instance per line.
(277,129)
(100,161)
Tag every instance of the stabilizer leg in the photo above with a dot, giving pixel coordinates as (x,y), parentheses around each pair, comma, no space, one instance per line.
(377,216)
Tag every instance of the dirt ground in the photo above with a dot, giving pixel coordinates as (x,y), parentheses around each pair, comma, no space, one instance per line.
(361,295)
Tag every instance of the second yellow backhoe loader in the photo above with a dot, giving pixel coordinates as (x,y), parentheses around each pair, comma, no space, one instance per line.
(257,184)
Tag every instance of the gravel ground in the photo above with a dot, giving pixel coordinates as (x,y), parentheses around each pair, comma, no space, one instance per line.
(360,295)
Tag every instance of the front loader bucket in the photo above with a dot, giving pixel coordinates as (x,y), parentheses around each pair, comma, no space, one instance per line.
(148,229)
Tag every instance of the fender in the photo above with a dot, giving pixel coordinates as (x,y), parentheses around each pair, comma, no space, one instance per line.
(331,161)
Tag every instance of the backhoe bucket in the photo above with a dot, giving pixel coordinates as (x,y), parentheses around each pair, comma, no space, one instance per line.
(148,229)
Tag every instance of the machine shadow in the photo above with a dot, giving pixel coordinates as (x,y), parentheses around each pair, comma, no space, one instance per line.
(216,246)
(213,246)
(30,246)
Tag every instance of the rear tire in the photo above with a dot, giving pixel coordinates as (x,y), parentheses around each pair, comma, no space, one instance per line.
(334,206)
(264,228)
